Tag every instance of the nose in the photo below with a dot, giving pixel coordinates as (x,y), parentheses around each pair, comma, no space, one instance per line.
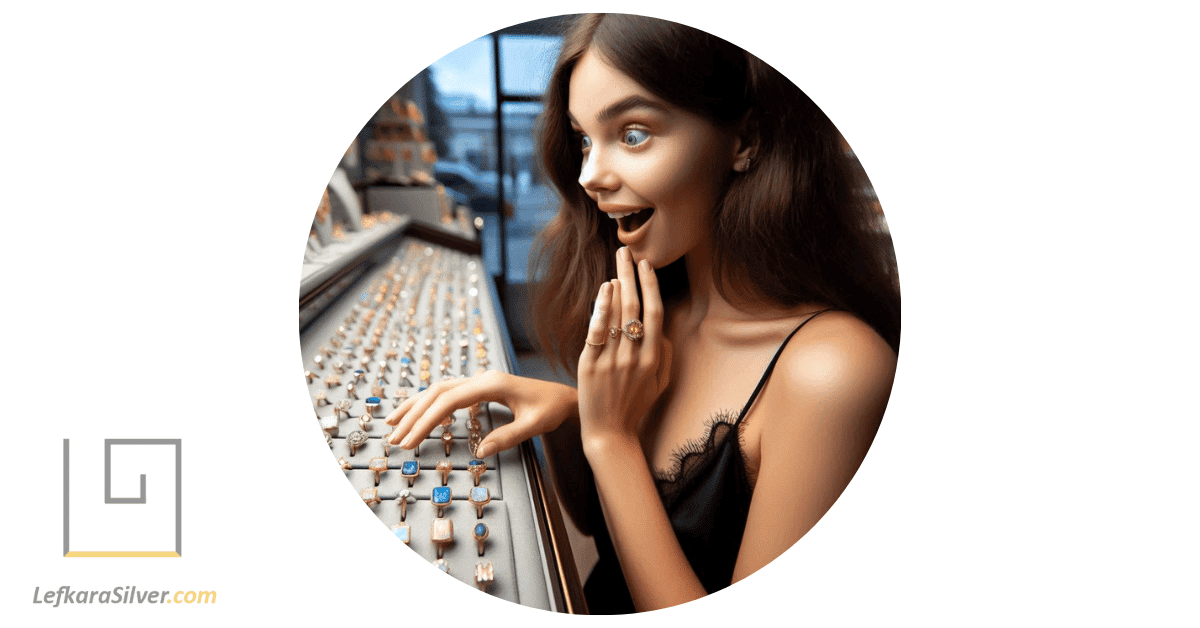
(595,174)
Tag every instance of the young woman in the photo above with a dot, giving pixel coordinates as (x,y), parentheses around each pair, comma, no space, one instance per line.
(715,279)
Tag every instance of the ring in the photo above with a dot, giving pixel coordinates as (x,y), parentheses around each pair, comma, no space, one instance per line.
(308,375)
(401,531)
(410,470)
(479,497)
(364,422)
(444,467)
(441,497)
(442,564)
(447,439)
(613,331)
(350,394)
(329,424)
(372,404)
(593,344)
(634,329)
(403,499)
(476,467)
(356,439)
(441,532)
(480,532)
(378,465)
(319,398)
(371,496)
(345,465)
(484,575)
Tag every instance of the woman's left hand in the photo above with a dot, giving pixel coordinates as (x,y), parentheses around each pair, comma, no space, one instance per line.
(620,378)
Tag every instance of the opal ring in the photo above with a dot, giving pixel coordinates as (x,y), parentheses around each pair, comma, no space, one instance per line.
(480,496)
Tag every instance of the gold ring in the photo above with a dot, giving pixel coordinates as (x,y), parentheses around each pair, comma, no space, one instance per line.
(378,465)
(634,330)
(484,575)
(613,331)
(593,344)
(444,467)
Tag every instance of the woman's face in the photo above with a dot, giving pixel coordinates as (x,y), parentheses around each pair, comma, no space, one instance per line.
(643,155)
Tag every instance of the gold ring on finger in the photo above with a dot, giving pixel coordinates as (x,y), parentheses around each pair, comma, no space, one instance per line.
(634,329)
(613,331)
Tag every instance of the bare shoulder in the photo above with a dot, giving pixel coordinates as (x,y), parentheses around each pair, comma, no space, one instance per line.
(837,367)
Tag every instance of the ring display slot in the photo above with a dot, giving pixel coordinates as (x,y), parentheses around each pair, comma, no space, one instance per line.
(417,315)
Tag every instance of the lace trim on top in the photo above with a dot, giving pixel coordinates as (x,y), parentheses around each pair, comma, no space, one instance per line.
(694,453)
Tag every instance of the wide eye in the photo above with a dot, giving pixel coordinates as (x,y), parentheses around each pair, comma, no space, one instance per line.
(633,137)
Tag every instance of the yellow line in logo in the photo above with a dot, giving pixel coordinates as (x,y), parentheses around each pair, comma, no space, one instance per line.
(122,555)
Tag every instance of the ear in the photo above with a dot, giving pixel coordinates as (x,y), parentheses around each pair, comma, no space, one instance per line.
(745,145)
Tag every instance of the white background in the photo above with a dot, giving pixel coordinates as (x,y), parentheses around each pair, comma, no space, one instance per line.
(1036,162)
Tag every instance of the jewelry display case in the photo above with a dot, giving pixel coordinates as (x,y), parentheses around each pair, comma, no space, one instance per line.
(387,312)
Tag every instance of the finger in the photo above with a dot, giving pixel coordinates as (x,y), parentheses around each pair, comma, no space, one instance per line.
(439,401)
(395,415)
(597,332)
(506,437)
(652,309)
(614,320)
(630,307)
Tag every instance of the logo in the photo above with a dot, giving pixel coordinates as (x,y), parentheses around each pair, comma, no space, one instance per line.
(146,526)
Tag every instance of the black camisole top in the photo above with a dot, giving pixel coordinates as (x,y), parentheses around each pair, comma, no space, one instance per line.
(707,501)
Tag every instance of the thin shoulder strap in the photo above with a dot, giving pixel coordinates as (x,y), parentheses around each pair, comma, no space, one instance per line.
(770,367)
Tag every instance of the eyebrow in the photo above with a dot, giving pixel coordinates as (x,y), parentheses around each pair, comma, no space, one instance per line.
(621,106)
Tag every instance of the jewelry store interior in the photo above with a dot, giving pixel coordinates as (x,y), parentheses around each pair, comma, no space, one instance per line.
(415,272)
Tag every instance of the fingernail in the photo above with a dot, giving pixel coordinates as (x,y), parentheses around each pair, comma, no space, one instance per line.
(406,442)
(644,266)
(485,450)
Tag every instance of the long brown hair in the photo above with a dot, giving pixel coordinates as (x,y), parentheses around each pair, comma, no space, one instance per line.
(796,228)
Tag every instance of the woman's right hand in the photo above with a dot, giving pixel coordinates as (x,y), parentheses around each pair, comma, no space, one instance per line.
(537,406)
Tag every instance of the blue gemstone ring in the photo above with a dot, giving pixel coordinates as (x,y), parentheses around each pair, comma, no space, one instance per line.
(410,470)
(481,534)
(476,467)
(441,498)
(402,532)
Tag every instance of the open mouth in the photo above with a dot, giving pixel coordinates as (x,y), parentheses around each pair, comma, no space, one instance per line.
(630,222)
